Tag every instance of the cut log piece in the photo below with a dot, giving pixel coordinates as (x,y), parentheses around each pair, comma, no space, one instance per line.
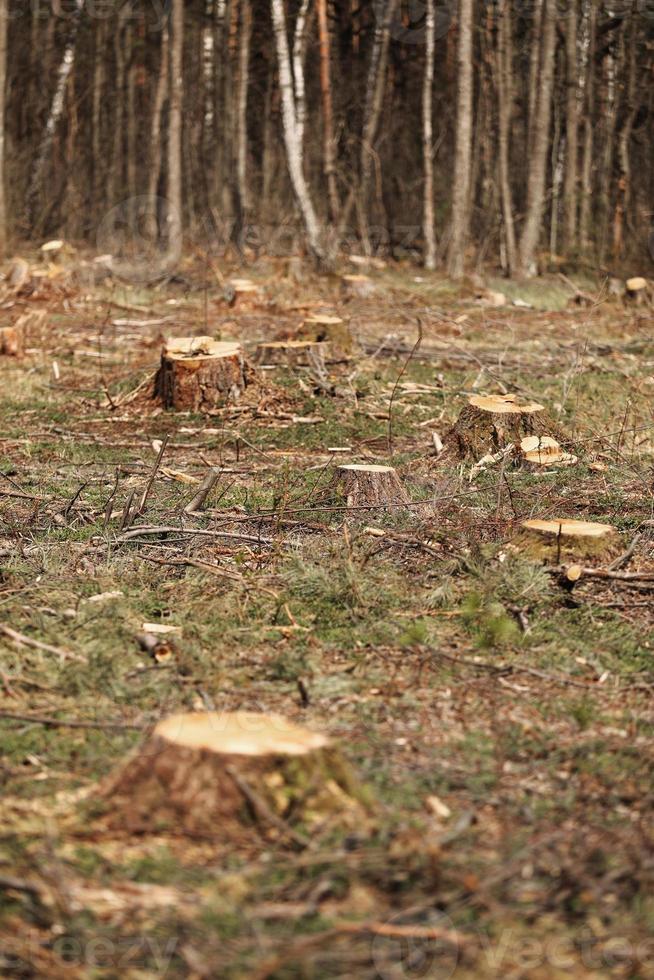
(561,540)
(539,451)
(357,286)
(199,374)
(223,775)
(489,423)
(636,289)
(331,329)
(293,353)
(361,485)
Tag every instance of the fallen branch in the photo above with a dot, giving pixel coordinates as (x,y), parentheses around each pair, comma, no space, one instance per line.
(70,723)
(27,641)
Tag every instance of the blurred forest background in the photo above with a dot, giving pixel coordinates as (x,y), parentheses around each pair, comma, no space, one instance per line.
(516,133)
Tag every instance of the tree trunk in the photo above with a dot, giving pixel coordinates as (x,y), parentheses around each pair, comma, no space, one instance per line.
(571,132)
(505,107)
(154,172)
(589,108)
(292,140)
(299,46)
(462,163)
(241,105)
(535,63)
(538,158)
(175,134)
(3,81)
(56,108)
(427,137)
(329,164)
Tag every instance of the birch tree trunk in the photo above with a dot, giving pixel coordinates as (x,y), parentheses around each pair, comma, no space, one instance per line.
(56,109)
(4,16)
(427,137)
(175,134)
(329,165)
(505,106)
(538,158)
(462,162)
(292,136)
(571,132)
(299,45)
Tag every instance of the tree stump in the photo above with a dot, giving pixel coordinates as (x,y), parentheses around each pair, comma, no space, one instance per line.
(489,423)
(240,293)
(357,286)
(330,329)
(293,353)
(561,539)
(199,374)
(360,486)
(541,451)
(11,341)
(636,289)
(221,775)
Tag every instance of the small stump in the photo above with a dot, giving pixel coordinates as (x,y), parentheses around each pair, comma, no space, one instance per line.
(199,374)
(241,293)
(330,329)
(636,290)
(361,485)
(557,540)
(357,287)
(490,423)
(11,341)
(219,775)
(293,353)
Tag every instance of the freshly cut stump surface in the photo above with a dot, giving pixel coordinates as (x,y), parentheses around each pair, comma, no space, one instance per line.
(489,423)
(322,327)
(200,374)
(293,353)
(542,451)
(221,775)
(360,485)
(554,540)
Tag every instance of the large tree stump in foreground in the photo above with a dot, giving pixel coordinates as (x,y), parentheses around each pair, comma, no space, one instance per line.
(360,485)
(199,374)
(489,423)
(220,775)
(557,540)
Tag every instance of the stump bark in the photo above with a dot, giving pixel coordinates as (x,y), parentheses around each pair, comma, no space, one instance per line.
(360,485)
(331,329)
(293,353)
(489,423)
(222,775)
(561,539)
(199,374)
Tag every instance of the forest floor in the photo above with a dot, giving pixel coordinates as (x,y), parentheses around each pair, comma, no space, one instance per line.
(503,725)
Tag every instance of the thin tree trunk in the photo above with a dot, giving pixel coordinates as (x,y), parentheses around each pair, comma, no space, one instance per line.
(241,105)
(175,133)
(571,132)
(427,137)
(116,169)
(538,159)
(56,109)
(505,107)
(4,16)
(299,42)
(624,180)
(327,110)
(535,64)
(96,124)
(462,162)
(589,108)
(292,140)
(132,167)
(154,170)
